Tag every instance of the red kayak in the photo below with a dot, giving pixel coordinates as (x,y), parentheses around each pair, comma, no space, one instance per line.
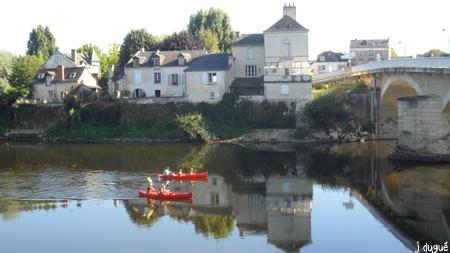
(168,196)
(187,176)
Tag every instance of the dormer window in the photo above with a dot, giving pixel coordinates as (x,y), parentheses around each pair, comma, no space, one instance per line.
(41,75)
(135,62)
(156,62)
(73,75)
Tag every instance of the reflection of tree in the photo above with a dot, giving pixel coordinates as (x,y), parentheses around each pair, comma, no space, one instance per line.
(197,158)
(219,226)
(327,169)
(143,214)
(11,208)
(265,162)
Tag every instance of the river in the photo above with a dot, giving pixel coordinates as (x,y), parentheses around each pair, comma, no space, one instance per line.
(316,198)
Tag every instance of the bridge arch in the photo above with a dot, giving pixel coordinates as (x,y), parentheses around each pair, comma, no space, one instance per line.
(404,79)
(392,88)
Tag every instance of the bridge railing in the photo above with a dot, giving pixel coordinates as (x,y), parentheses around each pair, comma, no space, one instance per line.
(427,62)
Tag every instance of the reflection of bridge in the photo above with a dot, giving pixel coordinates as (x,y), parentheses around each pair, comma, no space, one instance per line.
(398,78)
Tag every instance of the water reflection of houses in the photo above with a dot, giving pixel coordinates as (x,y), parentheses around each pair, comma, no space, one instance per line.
(279,206)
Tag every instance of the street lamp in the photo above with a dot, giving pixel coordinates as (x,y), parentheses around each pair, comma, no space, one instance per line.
(444,30)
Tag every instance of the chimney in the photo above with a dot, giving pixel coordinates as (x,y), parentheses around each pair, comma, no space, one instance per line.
(290,10)
(230,60)
(236,35)
(60,73)
(74,56)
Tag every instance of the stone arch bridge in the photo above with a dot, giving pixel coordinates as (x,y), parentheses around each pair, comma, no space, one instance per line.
(398,78)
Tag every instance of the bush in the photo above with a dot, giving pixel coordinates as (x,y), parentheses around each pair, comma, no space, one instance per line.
(326,111)
(302,133)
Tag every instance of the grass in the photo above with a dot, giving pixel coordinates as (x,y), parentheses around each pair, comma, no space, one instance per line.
(91,130)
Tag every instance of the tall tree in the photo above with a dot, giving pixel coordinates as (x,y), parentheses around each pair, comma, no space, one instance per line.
(179,41)
(88,48)
(24,68)
(215,20)
(134,41)
(41,42)
(208,40)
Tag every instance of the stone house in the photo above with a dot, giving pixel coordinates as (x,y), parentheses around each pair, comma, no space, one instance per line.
(330,61)
(155,74)
(209,77)
(274,65)
(53,84)
(88,60)
(365,51)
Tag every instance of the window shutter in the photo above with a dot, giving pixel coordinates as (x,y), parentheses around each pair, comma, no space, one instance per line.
(205,78)
(219,78)
(169,79)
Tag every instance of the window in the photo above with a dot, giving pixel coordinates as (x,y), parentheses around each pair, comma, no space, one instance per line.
(136,62)
(250,53)
(286,71)
(284,89)
(116,86)
(174,79)
(212,95)
(137,77)
(157,93)
(322,67)
(256,200)
(41,75)
(156,62)
(286,50)
(51,94)
(157,77)
(72,75)
(274,71)
(214,198)
(286,186)
(250,71)
(212,77)
(371,53)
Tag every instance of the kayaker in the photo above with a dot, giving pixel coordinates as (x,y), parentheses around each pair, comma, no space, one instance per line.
(164,189)
(180,172)
(167,171)
(150,185)
(191,171)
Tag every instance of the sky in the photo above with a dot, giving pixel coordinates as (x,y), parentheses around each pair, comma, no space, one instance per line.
(413,26)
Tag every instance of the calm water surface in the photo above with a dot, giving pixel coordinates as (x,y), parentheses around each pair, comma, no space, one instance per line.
(347,198)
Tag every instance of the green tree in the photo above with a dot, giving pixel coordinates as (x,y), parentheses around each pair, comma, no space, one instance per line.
(208,40)
(393,53)
(179,41)
(24,68)
(436,52)
(215,20)
(134,41)
(6,59)
(41,42)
